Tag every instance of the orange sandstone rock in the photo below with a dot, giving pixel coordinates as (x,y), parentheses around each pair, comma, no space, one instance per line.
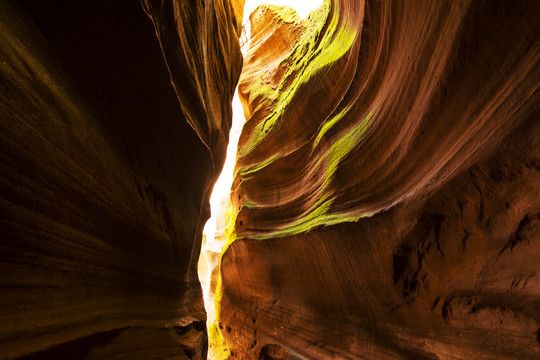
(387,194)
(114,121)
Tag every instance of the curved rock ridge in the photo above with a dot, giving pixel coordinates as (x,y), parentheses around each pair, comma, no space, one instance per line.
(390,163)
(420,82)
(114,123)
(205,48)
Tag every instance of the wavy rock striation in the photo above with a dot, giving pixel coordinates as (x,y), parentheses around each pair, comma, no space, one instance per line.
(114,123)
(386,202)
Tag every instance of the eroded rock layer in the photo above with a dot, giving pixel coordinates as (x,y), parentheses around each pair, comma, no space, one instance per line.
(386,202)
(114,123)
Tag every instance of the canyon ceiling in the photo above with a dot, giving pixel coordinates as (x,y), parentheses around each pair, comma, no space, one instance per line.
(386,202)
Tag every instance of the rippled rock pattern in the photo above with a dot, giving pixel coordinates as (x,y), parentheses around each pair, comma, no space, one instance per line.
(386,202)
(114,123)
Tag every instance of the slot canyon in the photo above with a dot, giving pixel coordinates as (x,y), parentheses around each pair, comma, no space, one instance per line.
(385,198)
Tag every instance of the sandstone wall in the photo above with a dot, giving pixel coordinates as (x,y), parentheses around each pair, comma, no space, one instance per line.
(386,201)
(114,122)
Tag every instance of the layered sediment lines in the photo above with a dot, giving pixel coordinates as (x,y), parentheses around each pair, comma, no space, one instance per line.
(386,201)
(114,123)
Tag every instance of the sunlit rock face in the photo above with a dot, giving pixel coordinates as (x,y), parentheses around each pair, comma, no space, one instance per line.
(114,123)
(387,190)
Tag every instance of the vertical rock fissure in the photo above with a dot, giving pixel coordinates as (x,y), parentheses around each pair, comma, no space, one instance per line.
(214,230)
(215,235)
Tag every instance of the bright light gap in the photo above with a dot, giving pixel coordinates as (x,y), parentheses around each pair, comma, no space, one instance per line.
(214,238)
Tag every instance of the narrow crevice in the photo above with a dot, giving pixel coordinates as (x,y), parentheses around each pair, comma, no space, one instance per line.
(214,233)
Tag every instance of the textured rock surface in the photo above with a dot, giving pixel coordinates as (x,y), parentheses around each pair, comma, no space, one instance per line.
(386,203)
(104,184)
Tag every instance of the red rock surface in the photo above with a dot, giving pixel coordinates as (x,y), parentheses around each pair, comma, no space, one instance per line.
(387,197)
(114,121)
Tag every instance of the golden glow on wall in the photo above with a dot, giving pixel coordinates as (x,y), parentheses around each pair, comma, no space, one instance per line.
(213,233)
(302,7)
